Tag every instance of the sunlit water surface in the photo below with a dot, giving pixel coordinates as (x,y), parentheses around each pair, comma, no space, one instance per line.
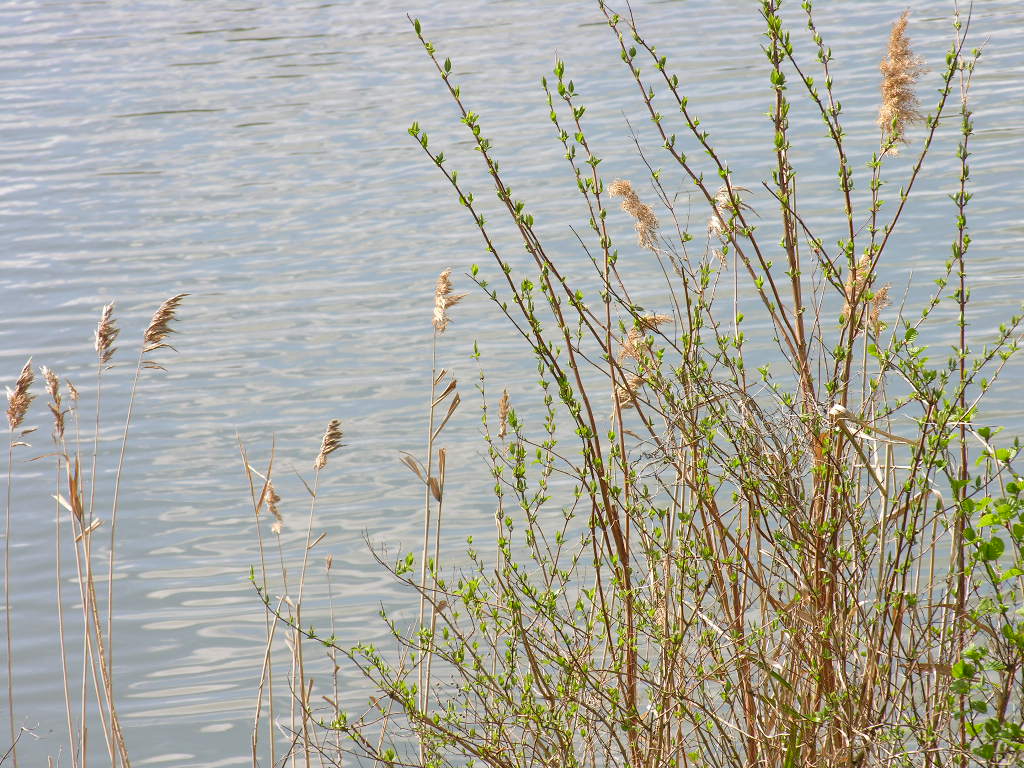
(255,155)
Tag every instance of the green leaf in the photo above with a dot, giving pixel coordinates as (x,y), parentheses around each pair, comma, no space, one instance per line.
(962,670)
(991,550)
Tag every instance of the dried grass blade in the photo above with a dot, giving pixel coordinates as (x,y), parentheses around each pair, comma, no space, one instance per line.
(451,410)
(414,465)
(447,391)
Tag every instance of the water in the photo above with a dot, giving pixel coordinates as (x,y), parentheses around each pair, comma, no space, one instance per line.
(255,156)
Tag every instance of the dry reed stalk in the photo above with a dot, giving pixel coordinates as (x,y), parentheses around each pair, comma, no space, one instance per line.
(645,222)
(153,339)
(333,653)
(900,72)
(267,669)
(18,401)
(444,300)
(330,442)
(58,412)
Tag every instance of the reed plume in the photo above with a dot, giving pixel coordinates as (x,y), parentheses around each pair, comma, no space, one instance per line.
(720,214)
(856,282)
(273,499)
(20,398)
(330,443)
(635,346)
(106,333)
(645,222)
(878,302)
(503,415)
(159,327)
(900,72)
(56,404)
(444,300)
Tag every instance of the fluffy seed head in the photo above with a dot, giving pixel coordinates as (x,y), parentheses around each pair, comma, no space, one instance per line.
(635,344)
(19,398)
(626,392)
(160,325)
(878,302)
(900,72)
(503,415)
(330,443)
(273,499)
(106,333)
(723,211)
(855,286)
(444,300)
(56,405)
(645,222)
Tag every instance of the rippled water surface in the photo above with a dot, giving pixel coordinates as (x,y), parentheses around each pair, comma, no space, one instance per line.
(254,155)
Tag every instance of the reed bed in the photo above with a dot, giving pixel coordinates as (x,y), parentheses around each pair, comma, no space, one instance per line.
(86,653)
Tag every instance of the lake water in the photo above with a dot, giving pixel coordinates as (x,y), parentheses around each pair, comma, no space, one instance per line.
(254,154)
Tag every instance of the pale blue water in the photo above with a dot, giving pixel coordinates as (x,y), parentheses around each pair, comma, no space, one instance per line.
(255,155)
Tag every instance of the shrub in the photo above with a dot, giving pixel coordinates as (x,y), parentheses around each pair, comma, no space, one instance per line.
(813,562)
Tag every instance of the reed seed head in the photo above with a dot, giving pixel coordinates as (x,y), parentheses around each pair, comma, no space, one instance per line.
(900,72)
(20,398)
(444,300)
(725,207)
(273,499)
(856,283)
(878,303)
(330,443)
(56,405)
(160,325)
(635,344)
(106,333)
(645,222)
(626,392)
(503,415)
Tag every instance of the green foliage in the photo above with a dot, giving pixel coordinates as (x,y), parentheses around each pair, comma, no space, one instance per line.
(819,564)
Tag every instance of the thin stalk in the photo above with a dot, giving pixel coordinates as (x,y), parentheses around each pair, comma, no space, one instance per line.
(8,628)
(427,513)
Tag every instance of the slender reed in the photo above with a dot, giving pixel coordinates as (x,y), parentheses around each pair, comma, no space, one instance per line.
(18,401)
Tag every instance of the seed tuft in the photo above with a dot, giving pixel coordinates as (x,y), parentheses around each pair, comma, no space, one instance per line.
(330,443)
(20,398)
(646,223)
(444,300)
(900,72)
(160,325)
